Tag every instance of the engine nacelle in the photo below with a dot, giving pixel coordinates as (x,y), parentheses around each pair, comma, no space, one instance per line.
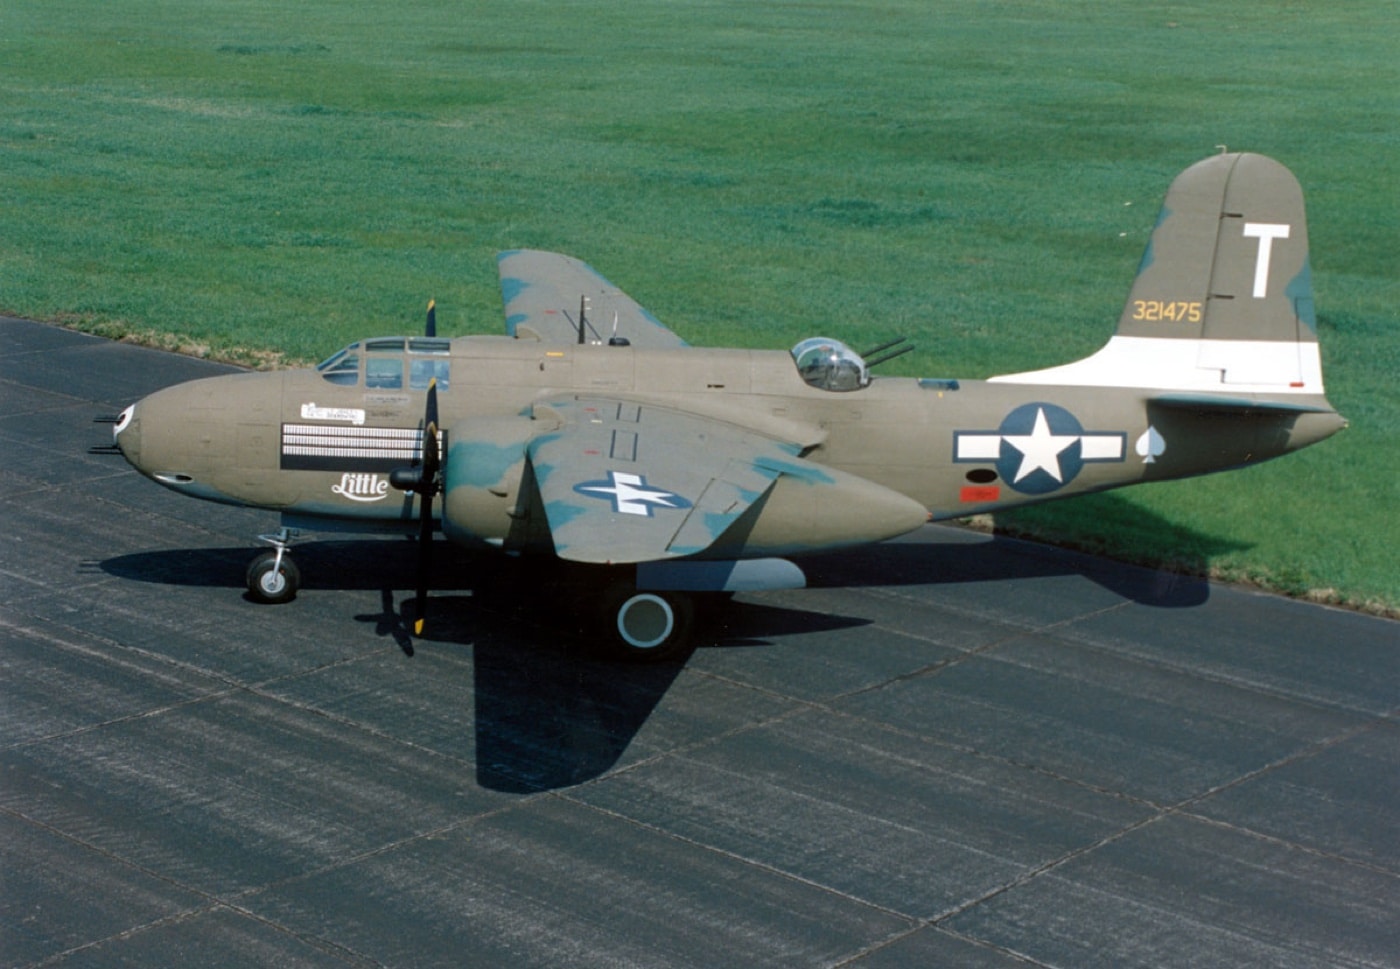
(488,495)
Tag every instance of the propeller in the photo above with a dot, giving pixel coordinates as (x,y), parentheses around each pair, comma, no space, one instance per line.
(424,479)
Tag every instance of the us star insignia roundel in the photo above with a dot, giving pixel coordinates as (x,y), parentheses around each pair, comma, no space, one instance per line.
(630,494)
(1038,448)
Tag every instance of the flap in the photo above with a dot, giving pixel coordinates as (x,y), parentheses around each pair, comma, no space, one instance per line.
(542,292)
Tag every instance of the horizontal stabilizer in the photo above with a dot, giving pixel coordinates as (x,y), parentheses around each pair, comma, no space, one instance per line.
(1212,402)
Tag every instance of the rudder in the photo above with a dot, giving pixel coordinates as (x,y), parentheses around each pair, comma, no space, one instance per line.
(1223,296)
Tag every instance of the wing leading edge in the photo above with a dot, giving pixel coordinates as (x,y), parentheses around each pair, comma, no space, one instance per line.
(542,292)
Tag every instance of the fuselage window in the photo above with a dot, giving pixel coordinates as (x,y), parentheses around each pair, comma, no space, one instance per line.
(422,372)
(384,373)
(385,344)
(343,368)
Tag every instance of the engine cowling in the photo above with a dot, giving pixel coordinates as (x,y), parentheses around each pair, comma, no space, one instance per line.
(487,495)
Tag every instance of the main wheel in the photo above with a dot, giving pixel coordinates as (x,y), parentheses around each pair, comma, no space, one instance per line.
(647,627)
(271,582)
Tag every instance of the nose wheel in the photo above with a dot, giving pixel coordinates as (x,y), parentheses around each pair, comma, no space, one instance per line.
(272,575)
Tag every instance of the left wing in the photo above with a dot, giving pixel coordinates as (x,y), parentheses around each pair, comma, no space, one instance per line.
(542,292)
(626,482)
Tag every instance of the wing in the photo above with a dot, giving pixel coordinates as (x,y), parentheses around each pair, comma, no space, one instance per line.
(542,292)
(626,482)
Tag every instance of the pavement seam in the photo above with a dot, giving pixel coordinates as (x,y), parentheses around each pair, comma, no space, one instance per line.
(734,856)
(1305,753)
(212,901)
(1218,678)
(1178,809)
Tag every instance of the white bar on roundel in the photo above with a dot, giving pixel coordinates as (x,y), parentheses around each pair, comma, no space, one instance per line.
(977,447)
(1101,447)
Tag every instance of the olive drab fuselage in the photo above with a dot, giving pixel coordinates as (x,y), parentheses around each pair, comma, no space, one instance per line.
(302,443)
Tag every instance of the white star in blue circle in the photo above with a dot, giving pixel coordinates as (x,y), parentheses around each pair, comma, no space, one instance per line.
(1044,456)
(1039,448)
(630,494)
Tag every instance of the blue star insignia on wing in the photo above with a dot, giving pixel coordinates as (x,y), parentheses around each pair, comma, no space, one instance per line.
(630,494)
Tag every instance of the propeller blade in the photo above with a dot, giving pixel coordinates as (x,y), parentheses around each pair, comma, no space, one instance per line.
(427,488)
(425,563)
(431,328)
(432,460)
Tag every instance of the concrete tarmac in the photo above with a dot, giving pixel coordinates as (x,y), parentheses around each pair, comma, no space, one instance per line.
(952,750)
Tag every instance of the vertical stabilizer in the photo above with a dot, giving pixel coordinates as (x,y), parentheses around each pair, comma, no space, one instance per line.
(1223,297)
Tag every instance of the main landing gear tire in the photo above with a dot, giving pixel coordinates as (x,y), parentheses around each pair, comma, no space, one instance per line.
(272,582)
(647,627)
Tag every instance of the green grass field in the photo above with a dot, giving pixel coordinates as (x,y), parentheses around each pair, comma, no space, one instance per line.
(265,181)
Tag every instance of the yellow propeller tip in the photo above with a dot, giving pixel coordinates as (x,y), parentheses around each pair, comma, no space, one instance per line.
(418,627)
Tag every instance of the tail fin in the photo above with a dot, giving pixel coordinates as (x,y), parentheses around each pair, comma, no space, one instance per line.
(1223,298)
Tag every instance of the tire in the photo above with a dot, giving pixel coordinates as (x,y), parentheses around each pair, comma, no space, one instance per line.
(267,583)
(647,627)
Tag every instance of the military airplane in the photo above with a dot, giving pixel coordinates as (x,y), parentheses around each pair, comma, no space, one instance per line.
(592,433)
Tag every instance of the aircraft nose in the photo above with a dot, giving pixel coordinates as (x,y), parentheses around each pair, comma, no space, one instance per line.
(126,434)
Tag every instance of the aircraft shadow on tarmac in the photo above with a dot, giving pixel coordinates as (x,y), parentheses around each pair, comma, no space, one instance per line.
(364,564)
(549,711)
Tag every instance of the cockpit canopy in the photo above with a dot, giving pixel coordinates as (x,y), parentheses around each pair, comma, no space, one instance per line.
(829,364)
(379,363)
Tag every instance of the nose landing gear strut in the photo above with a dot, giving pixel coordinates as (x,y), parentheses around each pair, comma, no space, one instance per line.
(272,575)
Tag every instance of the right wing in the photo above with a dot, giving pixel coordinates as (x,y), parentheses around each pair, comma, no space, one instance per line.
(542,292)
(626,482)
